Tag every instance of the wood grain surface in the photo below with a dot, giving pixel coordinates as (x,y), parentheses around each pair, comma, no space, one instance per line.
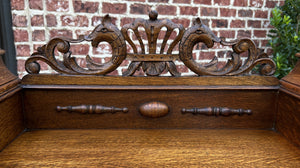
(11,119)
(9,83)
(288,117)
(40,108)
(43,79)
(150,148)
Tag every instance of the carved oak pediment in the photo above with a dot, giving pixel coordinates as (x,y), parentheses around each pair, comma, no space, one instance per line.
(145,54)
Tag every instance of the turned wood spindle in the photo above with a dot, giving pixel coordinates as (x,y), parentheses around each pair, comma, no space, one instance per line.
(91,109)
(217,111)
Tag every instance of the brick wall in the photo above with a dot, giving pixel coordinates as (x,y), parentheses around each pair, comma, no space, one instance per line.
(37,21)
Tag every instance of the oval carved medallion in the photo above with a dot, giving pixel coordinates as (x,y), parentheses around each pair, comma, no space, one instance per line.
(154,109)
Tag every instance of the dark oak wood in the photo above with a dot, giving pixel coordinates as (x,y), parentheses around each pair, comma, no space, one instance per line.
(9,83)
(288,115)
(11,117)
(216,111)
(154,109)
(151,148)
(31,81)
(74,101)
(40,108)
(91,109)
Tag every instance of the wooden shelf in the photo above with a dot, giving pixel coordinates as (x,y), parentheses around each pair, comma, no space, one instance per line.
(150,148)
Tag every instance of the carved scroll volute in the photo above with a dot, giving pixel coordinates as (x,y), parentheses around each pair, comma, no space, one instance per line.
(154,109)
(193,35)
(106,31)
(216,111)
(91,109)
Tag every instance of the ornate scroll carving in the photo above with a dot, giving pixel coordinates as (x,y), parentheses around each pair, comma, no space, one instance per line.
(106,31)
(91,109)
(216,111)
(201,33)
(152,62)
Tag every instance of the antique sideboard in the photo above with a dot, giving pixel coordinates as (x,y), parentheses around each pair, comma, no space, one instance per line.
(237,115)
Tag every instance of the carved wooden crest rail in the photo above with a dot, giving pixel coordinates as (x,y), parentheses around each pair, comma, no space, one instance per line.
(152,63)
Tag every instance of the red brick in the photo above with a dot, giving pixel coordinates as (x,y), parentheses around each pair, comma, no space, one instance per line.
(60,33)
(222,2)
(184,22)
(37,20)
(38,35)
(281,2)
(237,24)
(79,21)
(266,24)
(23,50)
(256,3)
(117,8)
(221,64)
(261,14)
(139,9)
(254,23)
(264,43)
(240,3)
(86,7)
(270,4)
(182,1)
(162,1)
(206,2)
(80,49)
(243,33)
(226,12)
(81,62)
(142,34)
(114,73)
(125,63)
(182,68)
(126,21)
(36,4)
(219,23)
(17,4)
(227,33)
(206,55)
(208,11)
(36,46)
(57,5)
(21,65)
(82,21)
(103,48)
(269,51)
(260,33)
(20,35)
(136,0)
(79,33)
(96,20)
(166,10)
(43,66)
(186,10)
(51,20)
(245,13)
(19,20)
(96,59)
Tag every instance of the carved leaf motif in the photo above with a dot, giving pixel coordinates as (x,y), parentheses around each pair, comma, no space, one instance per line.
(104,32)
(153,64)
